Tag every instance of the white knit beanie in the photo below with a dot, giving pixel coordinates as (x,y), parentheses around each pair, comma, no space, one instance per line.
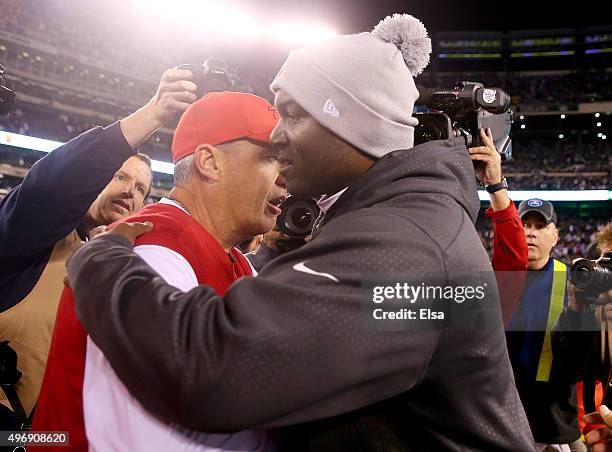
(361,87)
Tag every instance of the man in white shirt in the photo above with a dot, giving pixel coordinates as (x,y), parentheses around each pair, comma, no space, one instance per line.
(227,188)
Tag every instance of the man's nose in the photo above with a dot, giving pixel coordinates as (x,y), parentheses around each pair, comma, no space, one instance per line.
(529,231)
(129,189)
(278,137)
(280,181)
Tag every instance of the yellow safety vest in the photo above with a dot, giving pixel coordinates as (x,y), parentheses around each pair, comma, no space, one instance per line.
(555,308)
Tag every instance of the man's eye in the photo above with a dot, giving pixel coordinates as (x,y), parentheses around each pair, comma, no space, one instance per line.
(119,176)
(141,190)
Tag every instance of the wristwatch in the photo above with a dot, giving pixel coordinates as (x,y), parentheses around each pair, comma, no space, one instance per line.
(498,186)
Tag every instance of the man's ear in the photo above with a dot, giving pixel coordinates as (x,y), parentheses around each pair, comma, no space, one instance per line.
(555,235)
(206,161)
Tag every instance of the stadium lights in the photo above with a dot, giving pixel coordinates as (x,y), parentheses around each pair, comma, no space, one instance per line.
(221,19)
(597,115)
(561,136)
(563,116)
(298,32)
(603,137)
(521,117)
(522,126)
(598,124)
(599,135)
(40,144)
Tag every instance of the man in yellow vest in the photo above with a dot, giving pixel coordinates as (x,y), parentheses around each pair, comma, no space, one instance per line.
(549,400)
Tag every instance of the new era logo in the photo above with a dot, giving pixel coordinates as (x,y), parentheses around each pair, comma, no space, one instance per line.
(331,109)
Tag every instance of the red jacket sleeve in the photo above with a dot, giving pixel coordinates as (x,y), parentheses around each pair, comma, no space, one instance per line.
(60,403)
(509,257)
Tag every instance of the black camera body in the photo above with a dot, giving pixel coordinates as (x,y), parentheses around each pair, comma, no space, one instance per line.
(210,76)
(297,217)
(460,112)
(594,277)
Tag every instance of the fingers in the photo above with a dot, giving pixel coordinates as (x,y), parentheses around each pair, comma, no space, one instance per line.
(133,229)
(178,86)
(593,418)
(176,91)
(487,158)
(182,91)
(606,297)
(97,231)
(176,74)
(598,435)
(606,415)
(486,138)
(130,231)
(602,447)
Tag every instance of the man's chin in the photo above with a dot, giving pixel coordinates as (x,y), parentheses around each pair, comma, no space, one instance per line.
(113,216)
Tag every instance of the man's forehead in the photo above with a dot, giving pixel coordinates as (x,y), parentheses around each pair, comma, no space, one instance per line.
(283,99)
(534,217)
(136,167)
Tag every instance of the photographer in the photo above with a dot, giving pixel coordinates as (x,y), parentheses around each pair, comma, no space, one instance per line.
(290,348)
(94,179)
(582,337)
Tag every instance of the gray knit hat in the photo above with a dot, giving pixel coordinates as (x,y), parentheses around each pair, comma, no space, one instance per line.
(361,87)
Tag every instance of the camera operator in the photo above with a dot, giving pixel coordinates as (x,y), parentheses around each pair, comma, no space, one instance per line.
(290,347)
(548,397)
(582,338)
(94,179)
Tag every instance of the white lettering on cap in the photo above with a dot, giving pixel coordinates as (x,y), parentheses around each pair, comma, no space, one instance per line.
(331,109)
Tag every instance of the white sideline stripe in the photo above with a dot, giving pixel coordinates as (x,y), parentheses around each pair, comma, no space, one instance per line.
(42,145)
(554,195)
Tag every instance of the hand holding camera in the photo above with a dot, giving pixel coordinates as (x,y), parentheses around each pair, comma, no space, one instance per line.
(487,160)
(176,91)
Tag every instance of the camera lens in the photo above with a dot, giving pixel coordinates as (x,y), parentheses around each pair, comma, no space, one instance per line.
(297,217)
(301,218)
(583,276)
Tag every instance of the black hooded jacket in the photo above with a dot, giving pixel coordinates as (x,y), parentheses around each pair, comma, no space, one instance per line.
(291,347)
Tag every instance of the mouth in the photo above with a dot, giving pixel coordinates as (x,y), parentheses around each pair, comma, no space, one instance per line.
(273,205)
(123,204)
(285,163)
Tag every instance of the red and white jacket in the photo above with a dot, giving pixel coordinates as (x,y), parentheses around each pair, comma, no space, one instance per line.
(81,393)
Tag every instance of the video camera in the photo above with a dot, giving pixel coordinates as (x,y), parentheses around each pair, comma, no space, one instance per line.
(594,277)
(463,110)
(211,76)
(7,97)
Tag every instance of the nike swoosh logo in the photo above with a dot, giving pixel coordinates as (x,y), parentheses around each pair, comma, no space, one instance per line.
(301,267)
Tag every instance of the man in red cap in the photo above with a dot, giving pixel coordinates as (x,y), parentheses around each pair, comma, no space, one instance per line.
(226,188)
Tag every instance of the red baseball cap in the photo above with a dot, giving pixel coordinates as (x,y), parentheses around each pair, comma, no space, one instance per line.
(220,117)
